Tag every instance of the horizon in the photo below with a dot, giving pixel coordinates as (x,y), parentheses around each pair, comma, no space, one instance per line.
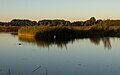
(58,19)
(71,10)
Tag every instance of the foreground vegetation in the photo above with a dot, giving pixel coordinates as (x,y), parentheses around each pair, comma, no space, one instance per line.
(8,71)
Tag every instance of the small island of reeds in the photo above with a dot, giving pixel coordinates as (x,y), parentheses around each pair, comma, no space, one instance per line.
(66,32)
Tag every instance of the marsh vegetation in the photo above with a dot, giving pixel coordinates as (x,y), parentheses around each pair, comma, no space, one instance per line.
(63,29)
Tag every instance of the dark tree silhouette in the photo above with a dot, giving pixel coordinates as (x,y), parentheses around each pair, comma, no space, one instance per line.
(54,23)
(18,22)
(90,22)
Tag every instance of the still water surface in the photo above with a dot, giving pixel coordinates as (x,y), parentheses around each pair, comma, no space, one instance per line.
(90,56)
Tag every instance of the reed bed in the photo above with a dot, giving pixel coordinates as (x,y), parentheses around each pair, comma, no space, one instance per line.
(33,30)
(57,32)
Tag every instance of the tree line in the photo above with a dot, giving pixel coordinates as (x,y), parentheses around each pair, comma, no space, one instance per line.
(90,22)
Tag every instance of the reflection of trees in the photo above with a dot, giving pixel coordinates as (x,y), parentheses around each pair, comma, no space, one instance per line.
(46,43)
(14,33)
(105,40)
(63,42)
(96,41)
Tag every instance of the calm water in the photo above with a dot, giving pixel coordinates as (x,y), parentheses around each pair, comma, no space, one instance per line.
(90,56)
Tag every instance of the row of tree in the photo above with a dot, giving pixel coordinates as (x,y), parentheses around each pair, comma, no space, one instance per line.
(54,23)
(18,22)
(90,22)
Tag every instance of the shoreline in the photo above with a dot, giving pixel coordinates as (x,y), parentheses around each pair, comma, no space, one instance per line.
(68,31)
(26,35)
(9,28)
(58,32)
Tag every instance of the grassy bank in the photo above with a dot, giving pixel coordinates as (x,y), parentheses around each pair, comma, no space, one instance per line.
(58,32)
(37,30)
(9,28)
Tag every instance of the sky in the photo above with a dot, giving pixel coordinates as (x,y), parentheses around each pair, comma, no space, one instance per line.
(71,10)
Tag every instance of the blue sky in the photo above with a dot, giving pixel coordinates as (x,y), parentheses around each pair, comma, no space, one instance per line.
(59,9)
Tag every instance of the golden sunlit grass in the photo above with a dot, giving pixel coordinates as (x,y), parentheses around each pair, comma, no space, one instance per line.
(32,30)
(80,27)
(69,31)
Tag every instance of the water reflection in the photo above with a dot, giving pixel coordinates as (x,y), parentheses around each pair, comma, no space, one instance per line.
(46,43)
(63,42)
(14,34)
(105,40)
(82,58)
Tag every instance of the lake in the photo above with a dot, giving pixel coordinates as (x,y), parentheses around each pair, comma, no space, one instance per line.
(85,56)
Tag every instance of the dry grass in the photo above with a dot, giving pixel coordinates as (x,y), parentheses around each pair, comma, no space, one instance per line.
(9,28)
(69,31)
(80,27)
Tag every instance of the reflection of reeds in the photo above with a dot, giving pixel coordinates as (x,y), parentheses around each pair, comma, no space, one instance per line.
(105,40)
(44,42)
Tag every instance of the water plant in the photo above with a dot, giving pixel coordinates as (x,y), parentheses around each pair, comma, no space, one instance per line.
(8,72)
(35,70)
(46,72)
(18,73)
